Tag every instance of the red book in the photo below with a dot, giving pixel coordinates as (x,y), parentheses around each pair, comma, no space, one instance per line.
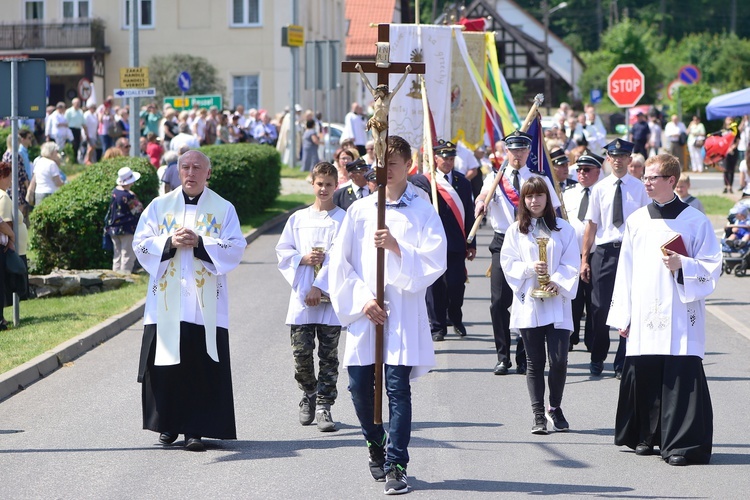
(676,244)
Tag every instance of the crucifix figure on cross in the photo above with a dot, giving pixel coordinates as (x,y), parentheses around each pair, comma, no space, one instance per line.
(382,67)
(378,123)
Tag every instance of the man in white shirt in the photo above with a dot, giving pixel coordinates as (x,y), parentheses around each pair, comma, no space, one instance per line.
(612,201)
(184,140)
(90,134)
(355,128)
(576,200)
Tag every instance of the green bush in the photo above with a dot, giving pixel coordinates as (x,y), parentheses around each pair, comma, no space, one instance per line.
(67,227)
(248,175)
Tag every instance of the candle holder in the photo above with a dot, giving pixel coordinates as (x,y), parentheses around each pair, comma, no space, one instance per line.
(324,299)
(542,235)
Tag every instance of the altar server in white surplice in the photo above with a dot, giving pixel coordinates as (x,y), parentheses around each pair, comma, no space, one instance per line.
(415,256)
(188,240)
(658,304)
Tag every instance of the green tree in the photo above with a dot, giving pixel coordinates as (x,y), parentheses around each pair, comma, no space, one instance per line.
(626,42)
(164,70)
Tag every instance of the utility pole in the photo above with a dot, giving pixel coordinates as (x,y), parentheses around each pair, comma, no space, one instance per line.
(295,86)
(135,112)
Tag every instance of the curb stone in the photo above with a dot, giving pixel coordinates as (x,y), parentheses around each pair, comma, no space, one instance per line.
(19,378)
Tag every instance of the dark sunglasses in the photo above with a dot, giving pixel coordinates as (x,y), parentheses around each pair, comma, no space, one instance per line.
(585,170)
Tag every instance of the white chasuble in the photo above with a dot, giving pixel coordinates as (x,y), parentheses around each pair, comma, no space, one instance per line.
(184,287)
(666,317)
(419,232)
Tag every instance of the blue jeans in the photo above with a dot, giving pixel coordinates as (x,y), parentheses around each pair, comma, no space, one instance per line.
(106,142)
(398,389)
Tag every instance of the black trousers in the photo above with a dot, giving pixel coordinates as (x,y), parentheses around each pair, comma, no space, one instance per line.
(581,302)
(445,297)
(664,402)
(76,142)
(501,298)
(603,270)
(556,342)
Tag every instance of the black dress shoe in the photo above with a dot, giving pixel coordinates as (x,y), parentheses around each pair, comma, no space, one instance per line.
(459,329)
(678,460)
(166,438)
(521,369)
(438,336)
(194,443)
(596,368)
(501,368)
(618,374)
(644,449)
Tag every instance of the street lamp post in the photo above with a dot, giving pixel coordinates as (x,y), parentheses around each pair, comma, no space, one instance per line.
(546,11)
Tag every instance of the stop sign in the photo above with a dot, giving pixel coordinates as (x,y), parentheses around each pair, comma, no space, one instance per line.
(625,85)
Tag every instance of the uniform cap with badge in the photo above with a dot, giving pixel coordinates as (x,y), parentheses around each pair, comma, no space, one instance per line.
(558,157)
(445,149)
(589,159)
(358,165)
(619,147)
(517,140)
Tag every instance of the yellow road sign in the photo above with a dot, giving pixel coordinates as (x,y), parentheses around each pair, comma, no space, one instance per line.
(292,36)
(134,78)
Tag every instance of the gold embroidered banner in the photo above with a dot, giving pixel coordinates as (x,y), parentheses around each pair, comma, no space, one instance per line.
(467,109)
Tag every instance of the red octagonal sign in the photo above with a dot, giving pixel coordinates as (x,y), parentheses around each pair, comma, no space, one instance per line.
(625,85)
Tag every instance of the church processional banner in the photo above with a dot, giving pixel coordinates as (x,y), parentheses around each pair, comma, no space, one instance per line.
(466,103)
(434,48)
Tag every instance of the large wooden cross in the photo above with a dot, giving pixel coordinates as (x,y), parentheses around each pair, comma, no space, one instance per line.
(383,68)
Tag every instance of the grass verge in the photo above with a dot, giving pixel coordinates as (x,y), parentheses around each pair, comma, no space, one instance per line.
(293,173)
(716,205)
(282,204)
(46,323)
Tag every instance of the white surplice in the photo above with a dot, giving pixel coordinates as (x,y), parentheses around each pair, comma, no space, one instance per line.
(416,226)
(223,242)
(304,230)
(517,257)
(665,317)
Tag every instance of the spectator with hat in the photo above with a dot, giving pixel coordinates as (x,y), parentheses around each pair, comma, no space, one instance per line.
(355,188)
(122,218)
(612,201)
(576,200)
(501,212)
(560,164)
(445,297)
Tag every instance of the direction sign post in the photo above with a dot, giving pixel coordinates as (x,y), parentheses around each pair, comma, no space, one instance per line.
(130,93)
(626,85)
(203,101)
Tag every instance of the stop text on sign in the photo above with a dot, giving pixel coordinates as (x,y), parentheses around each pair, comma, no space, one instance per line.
(625,85)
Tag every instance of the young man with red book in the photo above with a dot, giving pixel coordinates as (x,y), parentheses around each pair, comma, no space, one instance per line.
(658,305)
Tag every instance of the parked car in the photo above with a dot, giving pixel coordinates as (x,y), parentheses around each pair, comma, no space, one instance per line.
(331,140)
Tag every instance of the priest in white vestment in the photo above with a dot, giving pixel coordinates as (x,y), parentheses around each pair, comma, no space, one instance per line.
(188,240)
(415,256)
(658,304)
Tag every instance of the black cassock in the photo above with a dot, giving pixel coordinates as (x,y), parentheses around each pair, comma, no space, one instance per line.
(193,397)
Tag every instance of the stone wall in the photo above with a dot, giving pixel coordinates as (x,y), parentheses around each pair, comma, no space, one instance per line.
(60,282)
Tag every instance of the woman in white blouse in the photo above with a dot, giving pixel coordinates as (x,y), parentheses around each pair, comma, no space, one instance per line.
(545,320)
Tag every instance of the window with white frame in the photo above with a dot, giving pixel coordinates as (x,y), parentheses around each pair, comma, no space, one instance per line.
(33,10)
(245,91)
(245,12)
(145,12)
(76,9)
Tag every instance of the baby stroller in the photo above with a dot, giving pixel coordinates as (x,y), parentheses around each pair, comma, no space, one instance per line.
(735,246)
(735,257)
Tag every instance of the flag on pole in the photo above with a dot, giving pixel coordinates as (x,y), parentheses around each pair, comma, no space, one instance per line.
(538,160)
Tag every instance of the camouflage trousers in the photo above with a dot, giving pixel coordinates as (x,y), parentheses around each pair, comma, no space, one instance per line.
(303,347)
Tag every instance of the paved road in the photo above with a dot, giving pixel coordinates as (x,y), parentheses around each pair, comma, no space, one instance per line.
(77,434)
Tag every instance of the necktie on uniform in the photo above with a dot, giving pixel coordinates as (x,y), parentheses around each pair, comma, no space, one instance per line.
(617,217)
(359,193)
(516,184)
(447,179)
(584,205)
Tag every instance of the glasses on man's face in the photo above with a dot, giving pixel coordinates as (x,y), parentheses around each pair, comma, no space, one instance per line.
(652,178)
(585,170)
(126,146)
